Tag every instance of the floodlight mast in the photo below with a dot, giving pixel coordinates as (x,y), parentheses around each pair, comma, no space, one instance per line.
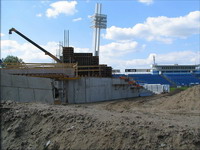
(99,22)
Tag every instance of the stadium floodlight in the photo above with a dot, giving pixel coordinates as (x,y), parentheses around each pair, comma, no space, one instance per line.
(99,22)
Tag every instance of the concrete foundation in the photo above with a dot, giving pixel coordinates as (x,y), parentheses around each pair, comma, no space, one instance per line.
(83,90)
(91,89)
(26,89)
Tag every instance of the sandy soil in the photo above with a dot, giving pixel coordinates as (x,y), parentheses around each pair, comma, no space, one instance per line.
(166,121)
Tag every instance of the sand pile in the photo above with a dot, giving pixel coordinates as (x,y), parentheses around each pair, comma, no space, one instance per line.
(185,100)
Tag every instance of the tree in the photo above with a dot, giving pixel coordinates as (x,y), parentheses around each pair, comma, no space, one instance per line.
(12,59)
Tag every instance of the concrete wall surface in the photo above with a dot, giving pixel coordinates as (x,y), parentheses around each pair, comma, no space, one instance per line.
(25,89)
(94,89)
(83,90)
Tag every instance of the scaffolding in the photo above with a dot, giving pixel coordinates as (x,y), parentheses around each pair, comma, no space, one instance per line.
(58,71)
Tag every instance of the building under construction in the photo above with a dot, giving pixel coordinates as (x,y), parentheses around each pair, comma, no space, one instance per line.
(74,78)
(88,65)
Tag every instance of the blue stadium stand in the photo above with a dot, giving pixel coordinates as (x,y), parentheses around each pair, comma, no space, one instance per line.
(145,78)
(173,75)
(183,79)
(149,79)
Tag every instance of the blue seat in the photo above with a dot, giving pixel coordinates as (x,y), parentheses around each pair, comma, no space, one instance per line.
(149,79)
(183,79)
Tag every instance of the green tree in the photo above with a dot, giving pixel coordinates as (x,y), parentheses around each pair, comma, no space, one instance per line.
(12,59)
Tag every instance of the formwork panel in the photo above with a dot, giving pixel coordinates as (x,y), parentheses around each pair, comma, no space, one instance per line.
(82,54)
(68,54)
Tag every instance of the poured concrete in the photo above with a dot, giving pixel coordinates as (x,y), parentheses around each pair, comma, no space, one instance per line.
(10,93)
(25,89)
(91,89)
(83,90)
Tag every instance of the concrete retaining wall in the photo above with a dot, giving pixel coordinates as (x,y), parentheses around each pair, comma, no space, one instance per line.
(25,89)
(93,89)
(84,90)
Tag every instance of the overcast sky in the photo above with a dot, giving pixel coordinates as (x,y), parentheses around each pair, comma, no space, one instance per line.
(136,30)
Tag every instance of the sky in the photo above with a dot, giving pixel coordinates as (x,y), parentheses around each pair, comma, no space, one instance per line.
(136,30)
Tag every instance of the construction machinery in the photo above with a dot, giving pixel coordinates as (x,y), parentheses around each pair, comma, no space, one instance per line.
(29,40)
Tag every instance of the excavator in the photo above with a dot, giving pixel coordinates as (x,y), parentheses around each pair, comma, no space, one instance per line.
(29,40)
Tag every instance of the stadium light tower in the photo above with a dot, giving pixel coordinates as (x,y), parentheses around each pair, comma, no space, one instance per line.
(99,22)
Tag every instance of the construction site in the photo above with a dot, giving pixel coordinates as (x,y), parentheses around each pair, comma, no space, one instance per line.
(78,103)
(73,78)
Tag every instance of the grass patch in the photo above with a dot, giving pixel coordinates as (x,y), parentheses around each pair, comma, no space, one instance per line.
(179,88)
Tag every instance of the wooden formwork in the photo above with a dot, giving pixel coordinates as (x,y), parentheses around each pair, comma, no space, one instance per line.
(46,70)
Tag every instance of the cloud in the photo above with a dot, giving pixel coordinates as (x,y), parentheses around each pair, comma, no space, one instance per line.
(81,50)
(77,19)
(114,53)
(178,57)
(148,2)
(163,29)
(167,58)
(89,16)
(111,54)
(119,49)
(39,15)
(28,52)
(61,7)
(2,34)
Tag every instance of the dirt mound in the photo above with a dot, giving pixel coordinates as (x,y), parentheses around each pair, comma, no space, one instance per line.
(188,99)
(93,126)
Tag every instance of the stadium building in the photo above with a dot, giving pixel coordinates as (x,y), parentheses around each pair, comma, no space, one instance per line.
(173,75)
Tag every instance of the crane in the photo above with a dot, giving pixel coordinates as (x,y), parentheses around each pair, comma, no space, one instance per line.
(29,40)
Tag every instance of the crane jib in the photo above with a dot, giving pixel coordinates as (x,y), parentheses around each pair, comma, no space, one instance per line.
(29,40)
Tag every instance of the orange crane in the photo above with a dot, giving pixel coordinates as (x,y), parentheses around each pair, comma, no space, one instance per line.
(29,40)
